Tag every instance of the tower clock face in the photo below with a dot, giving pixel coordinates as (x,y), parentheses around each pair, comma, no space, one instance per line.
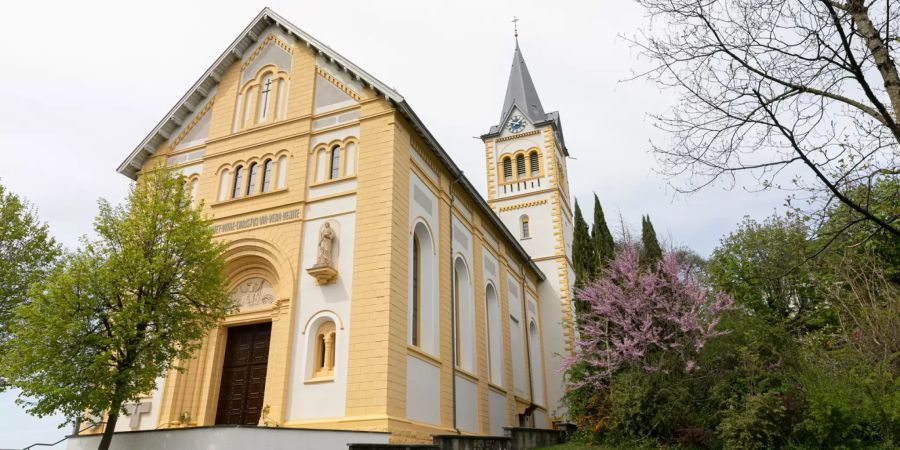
(516,124)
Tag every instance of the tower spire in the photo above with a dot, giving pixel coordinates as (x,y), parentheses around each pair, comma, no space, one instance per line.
(520,90)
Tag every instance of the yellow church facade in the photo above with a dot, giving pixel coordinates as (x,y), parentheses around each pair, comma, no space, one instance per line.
(377,289)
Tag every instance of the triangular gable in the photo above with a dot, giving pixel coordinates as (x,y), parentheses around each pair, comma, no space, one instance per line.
(245,41)
(196,131)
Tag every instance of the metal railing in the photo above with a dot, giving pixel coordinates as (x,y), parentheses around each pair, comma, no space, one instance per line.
(40,444)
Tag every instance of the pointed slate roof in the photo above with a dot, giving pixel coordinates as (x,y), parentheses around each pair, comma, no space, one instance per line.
(520,91)
(522,95)
(244,42)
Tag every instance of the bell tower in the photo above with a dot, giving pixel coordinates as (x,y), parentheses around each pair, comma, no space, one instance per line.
(528,189)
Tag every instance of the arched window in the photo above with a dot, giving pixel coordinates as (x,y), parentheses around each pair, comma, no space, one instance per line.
(534,160)
(507,169)
(494,335)
(266,96)
(195,184)
(238,179)
(526,227)
(416,301)
(465,317)
(520,166)
(251,180)
(224,181)
(423,310)
(267,175)
(282,172)
(334,170)
(323,363)
(537,373)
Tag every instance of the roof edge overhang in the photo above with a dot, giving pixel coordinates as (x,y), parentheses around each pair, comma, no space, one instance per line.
(457,173)
(200,90)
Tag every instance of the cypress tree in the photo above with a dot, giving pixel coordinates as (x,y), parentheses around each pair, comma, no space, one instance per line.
(601,238)
(651,252)
(583,257)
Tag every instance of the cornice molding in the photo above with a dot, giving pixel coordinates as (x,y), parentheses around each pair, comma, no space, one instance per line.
(268,40)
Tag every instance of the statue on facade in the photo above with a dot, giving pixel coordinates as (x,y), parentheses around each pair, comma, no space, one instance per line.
(323,271)
(326,244)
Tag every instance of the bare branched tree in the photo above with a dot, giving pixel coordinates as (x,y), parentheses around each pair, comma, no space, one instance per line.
(767,85)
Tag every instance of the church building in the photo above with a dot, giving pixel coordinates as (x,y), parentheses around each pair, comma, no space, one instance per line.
(378,291)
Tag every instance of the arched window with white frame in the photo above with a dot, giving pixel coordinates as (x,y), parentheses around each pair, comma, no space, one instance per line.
(282,172)
(323,353)
(266,98)
(334,167)
(266,175)
(422,314)
(534,161)
(507,169)
(251,178)
(224,184)
(525,226)
(238,180)
(537,372)
(494,335)
(520,166)
(464,310)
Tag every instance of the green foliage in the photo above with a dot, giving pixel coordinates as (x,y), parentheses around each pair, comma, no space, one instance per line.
(851,401)
(114,315)
(766,267)
(27,252)
(651,252)
(811,358)
(757,422)
(601,238)
(583,257)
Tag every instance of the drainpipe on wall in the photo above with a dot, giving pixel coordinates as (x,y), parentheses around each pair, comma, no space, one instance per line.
(453,304)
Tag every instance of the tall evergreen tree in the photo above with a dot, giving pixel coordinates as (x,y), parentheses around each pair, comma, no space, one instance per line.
(601,238)
(651,252)
(583,257)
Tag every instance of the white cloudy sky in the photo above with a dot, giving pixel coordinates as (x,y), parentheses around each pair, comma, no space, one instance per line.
(82,83)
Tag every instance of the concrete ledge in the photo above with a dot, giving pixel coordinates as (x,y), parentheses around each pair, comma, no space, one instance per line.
(525,438)
(393,447)
(462,442)
(232,438)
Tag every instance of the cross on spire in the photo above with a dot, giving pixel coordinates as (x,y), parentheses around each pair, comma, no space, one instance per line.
(515,23)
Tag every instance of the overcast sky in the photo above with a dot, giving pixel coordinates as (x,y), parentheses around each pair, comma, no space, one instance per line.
(82,84)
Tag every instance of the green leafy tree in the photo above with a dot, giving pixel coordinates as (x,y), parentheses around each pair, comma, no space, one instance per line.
(602,239)
(651,252)
(27,252)
(766,267)
(117,313)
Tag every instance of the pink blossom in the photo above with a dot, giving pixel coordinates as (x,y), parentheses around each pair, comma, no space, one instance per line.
(644,318)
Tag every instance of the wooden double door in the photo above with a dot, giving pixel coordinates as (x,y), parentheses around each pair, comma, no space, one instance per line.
(244,375)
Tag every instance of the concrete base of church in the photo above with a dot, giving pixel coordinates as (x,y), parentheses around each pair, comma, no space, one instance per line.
(232,438)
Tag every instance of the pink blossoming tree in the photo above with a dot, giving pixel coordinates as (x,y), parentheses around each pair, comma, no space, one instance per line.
(652,319)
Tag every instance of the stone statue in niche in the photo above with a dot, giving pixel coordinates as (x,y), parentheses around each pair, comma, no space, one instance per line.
(326,244)
(253,292)
(323,271)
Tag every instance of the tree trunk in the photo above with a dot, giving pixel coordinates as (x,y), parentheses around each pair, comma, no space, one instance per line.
(859,12)
(110,428)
